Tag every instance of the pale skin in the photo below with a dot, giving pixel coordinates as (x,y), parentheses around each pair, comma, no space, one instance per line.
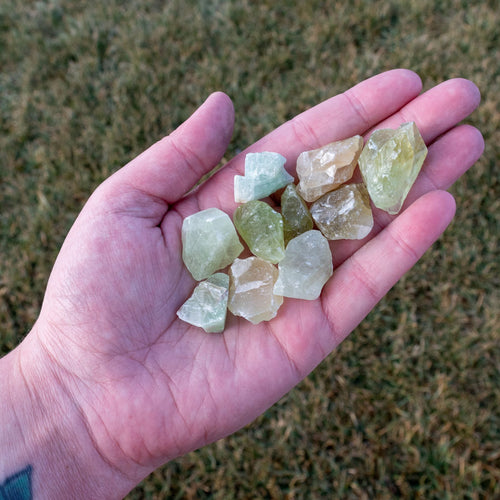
(110,384)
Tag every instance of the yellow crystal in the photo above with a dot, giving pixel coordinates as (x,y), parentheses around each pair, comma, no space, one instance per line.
(251,289)
(390,163)
(325,169)
(344,213)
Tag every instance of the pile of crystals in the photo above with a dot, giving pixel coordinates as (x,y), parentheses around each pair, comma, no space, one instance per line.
(254,287)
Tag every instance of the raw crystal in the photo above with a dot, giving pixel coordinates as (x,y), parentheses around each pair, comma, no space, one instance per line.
(209,242)
(264,174)
(390,163)
(344,213)
(207,306)
(296,216)
(262,229)
(219,279)
(324,169)
(306,267)
(251,290)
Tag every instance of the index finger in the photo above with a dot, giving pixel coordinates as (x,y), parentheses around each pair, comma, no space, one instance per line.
(352,112)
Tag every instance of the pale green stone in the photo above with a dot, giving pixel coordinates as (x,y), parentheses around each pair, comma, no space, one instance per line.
(219,279)
(264,174)
(209,242)
(262,229)
(207,306)
(296,216)
(344,214)
(390,163)
(251,293)
(306,267)
(325,169)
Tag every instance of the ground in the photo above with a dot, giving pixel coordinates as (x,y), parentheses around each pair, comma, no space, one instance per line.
(407,407)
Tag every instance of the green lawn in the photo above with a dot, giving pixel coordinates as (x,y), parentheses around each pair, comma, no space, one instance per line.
(408,406)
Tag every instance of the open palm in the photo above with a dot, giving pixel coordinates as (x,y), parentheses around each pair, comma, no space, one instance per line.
(150,387)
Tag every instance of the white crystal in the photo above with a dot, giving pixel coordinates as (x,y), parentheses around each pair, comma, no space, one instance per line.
(264,174)
(207,306)
(306,267)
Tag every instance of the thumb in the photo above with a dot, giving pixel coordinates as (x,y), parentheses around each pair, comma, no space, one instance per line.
(173,165)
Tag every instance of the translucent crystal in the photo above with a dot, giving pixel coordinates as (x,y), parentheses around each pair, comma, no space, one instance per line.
(344,213)
(264,174)
(324,169)
(390,163)
(262,229)
(306,267)
(296,216)
(219,279)
(251,290)
(209,242)
(207,306)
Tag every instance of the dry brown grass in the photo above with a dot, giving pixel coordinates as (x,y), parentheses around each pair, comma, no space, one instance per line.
(408,406)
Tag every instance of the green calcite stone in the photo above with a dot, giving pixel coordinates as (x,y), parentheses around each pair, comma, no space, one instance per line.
(264,174)
(209,242)
(219,279)
(251,294)
(306,267)
(207,306)
(344,213)
(296,216)
(262,229)
(390,163)
(325,169)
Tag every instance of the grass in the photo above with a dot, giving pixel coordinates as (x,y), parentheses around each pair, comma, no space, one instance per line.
(408,405)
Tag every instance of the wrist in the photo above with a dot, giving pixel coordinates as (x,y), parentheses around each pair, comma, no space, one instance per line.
(42,426)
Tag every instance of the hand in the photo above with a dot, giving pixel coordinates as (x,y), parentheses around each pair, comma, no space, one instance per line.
(148,387)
